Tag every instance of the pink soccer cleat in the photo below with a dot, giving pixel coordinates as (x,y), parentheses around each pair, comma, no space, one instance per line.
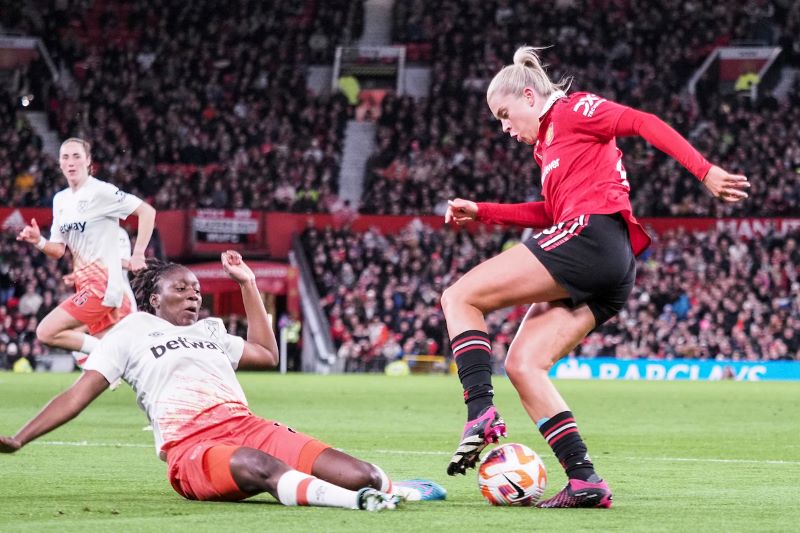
(579,493)
(478,433)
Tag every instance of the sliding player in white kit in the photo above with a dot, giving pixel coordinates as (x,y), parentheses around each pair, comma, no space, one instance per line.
(86,219)
(182,371)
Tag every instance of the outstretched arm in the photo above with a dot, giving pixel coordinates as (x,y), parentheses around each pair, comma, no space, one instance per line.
(526,215)
(728,187)
(261,347)
(58,411)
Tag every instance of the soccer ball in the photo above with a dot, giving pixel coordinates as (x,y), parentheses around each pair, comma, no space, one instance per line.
(512,474)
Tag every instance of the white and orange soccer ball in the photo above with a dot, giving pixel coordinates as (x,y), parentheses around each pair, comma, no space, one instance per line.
(512,474)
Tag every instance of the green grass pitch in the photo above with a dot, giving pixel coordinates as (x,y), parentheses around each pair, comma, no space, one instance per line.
(679,456)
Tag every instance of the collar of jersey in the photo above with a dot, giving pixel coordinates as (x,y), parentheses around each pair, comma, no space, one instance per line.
(550,101)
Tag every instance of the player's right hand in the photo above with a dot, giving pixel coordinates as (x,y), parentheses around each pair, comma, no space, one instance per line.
(69,279)
(31,233)
(9,444)
(236,268)
(460,211)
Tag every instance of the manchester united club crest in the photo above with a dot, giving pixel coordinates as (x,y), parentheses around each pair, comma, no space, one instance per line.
(548,137)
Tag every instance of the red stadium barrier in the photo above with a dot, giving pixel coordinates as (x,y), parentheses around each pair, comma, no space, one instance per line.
(276,229)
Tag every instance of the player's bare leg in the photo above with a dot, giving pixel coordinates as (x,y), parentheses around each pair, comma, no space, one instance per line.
(549,332)
(346,471)
(60,329)
(514,277)
(255,471)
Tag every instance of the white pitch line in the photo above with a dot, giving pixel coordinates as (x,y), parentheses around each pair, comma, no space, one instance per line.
(627,458)
(442,453)
(91,444)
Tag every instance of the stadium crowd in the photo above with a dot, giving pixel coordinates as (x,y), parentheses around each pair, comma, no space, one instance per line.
(176,107)
(204,114)
(698,295)
(216,114)
(30,287)
(639,55)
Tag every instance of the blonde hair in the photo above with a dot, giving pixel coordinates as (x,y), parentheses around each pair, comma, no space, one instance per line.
(527,71)
(87,147)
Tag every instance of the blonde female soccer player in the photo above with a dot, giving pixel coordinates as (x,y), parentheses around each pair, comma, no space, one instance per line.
(577,273)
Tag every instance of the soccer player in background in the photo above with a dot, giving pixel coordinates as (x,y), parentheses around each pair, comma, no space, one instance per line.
(182,371)
(86,219)
(124,243)
(577,273)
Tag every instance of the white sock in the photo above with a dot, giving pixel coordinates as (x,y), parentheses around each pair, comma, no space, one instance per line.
(296,488)
(80,358)
(89,343)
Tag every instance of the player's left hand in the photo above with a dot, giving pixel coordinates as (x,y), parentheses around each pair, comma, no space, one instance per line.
(727,187)
(137,262)
(9,444)
(236,268)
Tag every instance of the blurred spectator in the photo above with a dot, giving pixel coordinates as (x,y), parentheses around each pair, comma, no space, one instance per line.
(190,113)
(448,144)
(698,295)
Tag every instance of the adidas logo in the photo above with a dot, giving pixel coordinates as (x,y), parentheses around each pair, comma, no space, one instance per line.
(14,222)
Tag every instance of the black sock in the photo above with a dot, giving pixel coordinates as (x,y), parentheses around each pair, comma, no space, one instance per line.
(561,433)
(472,351)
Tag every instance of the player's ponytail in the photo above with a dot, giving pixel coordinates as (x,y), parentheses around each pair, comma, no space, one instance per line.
(526,71)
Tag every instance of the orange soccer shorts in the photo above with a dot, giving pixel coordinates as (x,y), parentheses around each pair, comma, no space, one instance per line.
(199,465)
(87,306)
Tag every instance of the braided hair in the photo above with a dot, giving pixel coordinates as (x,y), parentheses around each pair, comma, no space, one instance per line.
(145,282)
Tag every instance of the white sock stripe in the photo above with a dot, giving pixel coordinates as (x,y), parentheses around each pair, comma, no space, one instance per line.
(561,429)
(471,343)
(287,486)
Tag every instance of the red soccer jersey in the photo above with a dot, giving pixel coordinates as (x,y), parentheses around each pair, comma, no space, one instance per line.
(582,170)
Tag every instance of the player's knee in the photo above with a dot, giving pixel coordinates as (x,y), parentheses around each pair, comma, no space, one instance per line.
(454,296)
(524,362)
(255,471)
(45,332)
(360,475)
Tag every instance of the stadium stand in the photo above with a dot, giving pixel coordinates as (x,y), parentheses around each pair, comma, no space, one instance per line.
(171,104)
(698,295)
(640,55)
(187,115)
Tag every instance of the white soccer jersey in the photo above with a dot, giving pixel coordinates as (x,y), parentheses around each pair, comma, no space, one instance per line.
(87,221)
(177,372)
(125,255)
